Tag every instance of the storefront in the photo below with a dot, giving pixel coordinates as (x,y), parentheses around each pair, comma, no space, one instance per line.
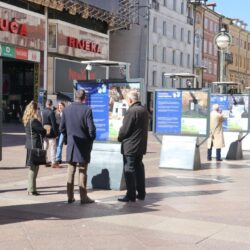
(21,51)
(68,45)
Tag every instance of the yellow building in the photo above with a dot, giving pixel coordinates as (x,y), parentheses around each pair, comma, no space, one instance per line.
(238,70)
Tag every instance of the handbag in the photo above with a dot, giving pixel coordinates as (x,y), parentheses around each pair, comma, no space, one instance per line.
(38,156)
(48,128)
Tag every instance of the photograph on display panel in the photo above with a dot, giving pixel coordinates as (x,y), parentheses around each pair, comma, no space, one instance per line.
(235,109)
(181,112)
(108,103)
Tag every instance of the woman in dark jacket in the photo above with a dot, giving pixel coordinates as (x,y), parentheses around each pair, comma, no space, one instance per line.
(34,134)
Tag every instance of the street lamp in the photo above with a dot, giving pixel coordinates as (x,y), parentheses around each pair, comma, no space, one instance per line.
(223,40)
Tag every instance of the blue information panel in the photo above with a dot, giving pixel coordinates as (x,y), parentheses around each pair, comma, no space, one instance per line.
(235,109)
(98,97)
(181,112)
(108,104)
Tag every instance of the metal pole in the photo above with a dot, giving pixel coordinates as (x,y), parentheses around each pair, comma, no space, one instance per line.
(1,106)
(45,64)
(221,65)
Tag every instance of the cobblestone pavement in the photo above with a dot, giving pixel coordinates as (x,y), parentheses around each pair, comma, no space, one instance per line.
(204,209)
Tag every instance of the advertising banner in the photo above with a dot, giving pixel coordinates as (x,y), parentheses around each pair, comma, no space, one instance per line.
(181,112)
(107,100)
(235,109)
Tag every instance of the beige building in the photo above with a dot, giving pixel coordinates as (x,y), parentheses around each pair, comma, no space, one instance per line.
(239,69)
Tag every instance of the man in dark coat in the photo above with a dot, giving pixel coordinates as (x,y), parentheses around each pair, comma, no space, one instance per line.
(133,135)
(78,125)
(49,123)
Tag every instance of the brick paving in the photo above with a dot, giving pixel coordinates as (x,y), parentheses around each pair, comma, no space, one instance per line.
(204,209)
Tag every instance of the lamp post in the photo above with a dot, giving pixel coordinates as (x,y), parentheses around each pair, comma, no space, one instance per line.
(223,40)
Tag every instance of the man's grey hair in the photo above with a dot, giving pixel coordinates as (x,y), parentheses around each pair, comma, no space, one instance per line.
(133,95)
(80,94)
(215,106)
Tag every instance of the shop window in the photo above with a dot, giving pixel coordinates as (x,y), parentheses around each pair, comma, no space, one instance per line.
(52,36)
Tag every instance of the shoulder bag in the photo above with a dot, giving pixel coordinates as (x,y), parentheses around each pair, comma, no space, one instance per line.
(37,155)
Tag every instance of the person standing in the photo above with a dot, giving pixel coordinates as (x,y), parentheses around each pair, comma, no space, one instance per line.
(216,138)
(78,125)
(59,111)
(34,134)
(49,123)
(133,136)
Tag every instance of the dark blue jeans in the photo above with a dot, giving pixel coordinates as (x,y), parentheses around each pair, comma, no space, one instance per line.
(218,153)
(134,174)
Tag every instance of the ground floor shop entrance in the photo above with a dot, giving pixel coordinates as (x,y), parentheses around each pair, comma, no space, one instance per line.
(17,87)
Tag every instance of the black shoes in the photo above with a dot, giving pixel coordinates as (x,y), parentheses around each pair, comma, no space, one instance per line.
(219,160)
(126,199)
(33,193)
(71,200)
(209,159)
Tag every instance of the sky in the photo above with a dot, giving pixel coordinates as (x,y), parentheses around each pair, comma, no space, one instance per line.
(234,9)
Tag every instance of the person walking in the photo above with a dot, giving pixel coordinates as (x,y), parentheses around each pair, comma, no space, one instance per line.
(34,134)
(133,136)
(60,141)
(216,138)
(49,123)
(78,125)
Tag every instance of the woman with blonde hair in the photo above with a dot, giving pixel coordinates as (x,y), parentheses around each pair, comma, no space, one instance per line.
(34,134)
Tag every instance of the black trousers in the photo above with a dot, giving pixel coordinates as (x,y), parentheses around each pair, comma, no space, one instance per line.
(134,173)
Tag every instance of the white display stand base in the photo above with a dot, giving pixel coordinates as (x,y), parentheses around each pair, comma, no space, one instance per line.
(229,138)
(180,152)
(105,170)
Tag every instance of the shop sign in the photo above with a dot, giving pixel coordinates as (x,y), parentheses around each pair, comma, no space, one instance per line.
(84,45)
(78,42)
(21,28)
(13,27)
(21,54)
(7,51)
(34,55)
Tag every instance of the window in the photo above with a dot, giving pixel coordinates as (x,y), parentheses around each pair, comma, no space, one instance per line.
(164,55)
(52,36)
(196,59)
(155,53)
(189,37)
(174,5)
(205,46)
(206,23)
(164,28)
(165,3)
(188,60)
(210,68)
(163,79)
(155,25)
(181,59)
(216,27)
(173,57)
(182,34)
(211,26)
(215,69)
(154,78)
(174,31)
(210,48)
(182,8)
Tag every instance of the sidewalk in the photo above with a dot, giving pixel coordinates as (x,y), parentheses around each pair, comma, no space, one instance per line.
(205,209)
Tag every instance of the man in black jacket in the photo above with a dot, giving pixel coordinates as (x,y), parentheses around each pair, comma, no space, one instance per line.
(133,135)
(49,123)
(78,125)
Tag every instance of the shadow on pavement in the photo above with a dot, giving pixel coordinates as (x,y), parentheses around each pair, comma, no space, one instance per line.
(64,211)
(179,181)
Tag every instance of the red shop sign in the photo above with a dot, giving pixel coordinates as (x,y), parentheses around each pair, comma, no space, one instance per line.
(13,27)
(21,54)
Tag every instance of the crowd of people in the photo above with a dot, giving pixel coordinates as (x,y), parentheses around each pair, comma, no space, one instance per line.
(74,126)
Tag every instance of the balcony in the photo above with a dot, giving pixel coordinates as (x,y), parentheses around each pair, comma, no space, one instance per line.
(229,58)
(190,20)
